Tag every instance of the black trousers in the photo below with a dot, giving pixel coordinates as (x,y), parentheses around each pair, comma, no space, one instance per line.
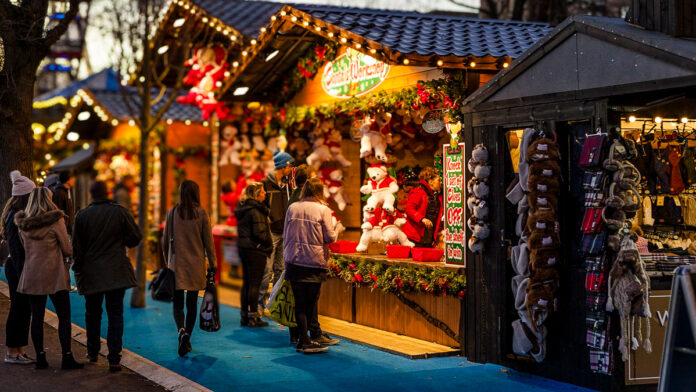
(93,318)
(191,309)
(253,268)
(306,306)
(312,325)
(19,317)
(61,301)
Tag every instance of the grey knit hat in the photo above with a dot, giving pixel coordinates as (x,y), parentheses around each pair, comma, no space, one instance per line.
(21,185)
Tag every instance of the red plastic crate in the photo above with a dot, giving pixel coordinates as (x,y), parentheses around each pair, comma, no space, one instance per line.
(427,254)
(343,246)
(398,251)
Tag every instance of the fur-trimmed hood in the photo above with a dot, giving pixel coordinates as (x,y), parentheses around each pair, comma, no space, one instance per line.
(38,226)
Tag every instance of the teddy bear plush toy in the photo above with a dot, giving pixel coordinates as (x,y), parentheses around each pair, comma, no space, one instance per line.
(333,186)
(391,229)
(327,146)
(371,228)
(230,146)
(375,136)
(381,187)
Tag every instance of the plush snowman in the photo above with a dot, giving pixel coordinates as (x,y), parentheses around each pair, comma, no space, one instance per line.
(381,187)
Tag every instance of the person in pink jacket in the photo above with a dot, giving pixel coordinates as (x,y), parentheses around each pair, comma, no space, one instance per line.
(308,229)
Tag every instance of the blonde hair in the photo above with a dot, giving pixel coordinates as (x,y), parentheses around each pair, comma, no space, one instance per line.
(428,173)
(314,189)
(40,202)
(252,191)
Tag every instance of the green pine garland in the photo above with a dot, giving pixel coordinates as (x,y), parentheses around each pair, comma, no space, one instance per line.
(397,279)
(307,67)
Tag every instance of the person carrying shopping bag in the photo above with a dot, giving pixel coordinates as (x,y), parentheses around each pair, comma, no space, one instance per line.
(19,316)
(308,229)
(46,244)
(255,245)
(187,242)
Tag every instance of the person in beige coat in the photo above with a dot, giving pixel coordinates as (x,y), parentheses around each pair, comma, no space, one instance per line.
(187,242)
(46,244)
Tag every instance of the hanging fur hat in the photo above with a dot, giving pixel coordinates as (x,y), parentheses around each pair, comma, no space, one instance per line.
(546,169)
(614,242)
(541,240)
(471,223)
(614,218)
(540,303)
(545,276)
(470,185)
(543,258)
(481,231)
(471,165)
(543,149)
(542,201)
(544,184)
(541,220)
(627,176)
(471,202)
(614,159)
(480,153)
(481,210)
(482,171)
(481,189)
(475,245)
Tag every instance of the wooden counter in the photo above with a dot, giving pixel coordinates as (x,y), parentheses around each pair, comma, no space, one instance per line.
(375,308)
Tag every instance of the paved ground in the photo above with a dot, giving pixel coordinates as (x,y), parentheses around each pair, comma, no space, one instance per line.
(91,378)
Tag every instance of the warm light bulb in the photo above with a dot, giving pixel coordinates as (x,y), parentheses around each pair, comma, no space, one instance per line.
(684,120)
(632,118)
(505,65)
(406,61)
(658,120)
(440,63)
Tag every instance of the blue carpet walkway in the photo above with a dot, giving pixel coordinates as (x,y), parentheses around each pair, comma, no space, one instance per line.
(261,359)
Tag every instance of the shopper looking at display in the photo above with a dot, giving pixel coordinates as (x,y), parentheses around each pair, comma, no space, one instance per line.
(255,245)
(187,242)
(19,316)
(46,244)
(424,209)
(277,187)
(308,229)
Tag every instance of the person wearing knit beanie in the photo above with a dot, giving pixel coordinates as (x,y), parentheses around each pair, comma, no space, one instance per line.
(21,185)
(281,159)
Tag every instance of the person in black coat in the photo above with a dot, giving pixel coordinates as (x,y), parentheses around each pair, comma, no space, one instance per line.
(255,245)
(19,316)
(102,232)
(61,196)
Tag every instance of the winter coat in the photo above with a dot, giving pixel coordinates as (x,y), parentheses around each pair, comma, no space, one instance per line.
(14,242)
(46,244)
(416,207)
(277,197)
(308,228)
(102,232)
(253,230)
(193,242)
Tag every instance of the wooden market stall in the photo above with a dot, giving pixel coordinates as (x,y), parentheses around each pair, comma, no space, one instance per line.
(590,77)
(304,72)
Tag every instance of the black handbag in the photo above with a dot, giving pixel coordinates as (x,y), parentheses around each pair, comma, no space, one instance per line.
(162,285)
(209,319)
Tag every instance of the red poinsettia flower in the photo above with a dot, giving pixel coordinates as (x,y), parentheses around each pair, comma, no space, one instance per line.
(359,278)
(352,266)
(320,51)
(374,278)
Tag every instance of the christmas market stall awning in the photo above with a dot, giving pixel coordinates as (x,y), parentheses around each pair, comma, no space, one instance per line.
(610,57)
(80,159)
(275,36)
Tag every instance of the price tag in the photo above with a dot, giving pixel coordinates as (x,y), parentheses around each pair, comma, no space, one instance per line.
(676,201)
(660,201)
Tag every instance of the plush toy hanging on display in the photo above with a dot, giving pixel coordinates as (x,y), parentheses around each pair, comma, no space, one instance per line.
(208,67)
(327,146)
(478,190)
(375,136)
(230,146)
(381,187)
(333,186)
(370,232)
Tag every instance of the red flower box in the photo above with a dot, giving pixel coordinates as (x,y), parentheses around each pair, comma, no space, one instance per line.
(398,251)
(427,254)
(343,246)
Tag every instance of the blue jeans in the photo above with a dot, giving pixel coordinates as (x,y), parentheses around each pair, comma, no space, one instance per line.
(274,267)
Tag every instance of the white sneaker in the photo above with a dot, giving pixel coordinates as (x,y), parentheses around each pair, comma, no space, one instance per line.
(17,359)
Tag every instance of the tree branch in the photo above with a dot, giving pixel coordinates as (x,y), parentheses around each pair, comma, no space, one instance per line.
(54,34)
(432,320)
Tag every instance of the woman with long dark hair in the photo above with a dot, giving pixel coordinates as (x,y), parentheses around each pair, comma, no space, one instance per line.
(19,316)
(46,245)
(255,246)
(188,228)
(309,228)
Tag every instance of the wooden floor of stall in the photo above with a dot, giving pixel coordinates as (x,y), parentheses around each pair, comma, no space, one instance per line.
(372,337)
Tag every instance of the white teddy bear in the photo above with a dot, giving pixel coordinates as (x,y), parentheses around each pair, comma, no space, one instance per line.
(371,229)
(230,146)
(333,186)
(381,188)
(375,136)
(391,229)
(327,147)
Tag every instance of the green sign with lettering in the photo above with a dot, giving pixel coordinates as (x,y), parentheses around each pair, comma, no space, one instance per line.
(453,179)
(353,74)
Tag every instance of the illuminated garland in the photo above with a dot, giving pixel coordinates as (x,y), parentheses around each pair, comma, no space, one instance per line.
(307,66)
(397,279)
(445,93)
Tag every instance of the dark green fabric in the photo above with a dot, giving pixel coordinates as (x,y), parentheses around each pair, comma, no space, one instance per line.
(102,231)
(687,165)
